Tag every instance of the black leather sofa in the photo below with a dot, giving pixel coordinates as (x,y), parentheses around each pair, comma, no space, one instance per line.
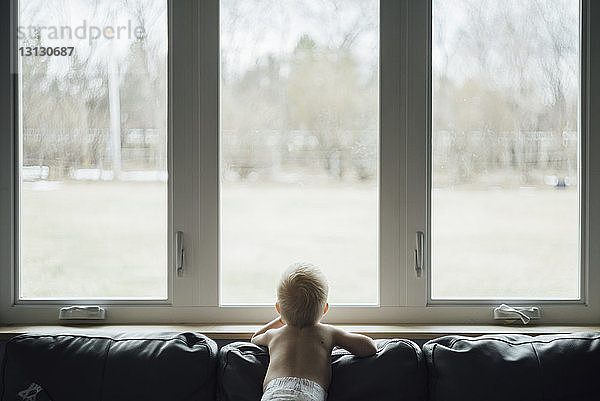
(159,366)
(188,366)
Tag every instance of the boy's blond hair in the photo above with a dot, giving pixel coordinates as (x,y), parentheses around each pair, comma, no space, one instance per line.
(302,294)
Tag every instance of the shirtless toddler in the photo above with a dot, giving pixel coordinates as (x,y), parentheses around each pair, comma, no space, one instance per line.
(299,345)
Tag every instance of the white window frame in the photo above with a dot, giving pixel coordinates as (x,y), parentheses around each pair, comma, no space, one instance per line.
(193,150)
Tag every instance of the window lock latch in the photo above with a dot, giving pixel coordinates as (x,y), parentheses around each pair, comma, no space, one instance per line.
(180,253)
(419,243)
(515,313)
(77,312)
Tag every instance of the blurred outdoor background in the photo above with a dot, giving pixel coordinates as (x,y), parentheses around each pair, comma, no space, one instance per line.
(299,149)
(94,175)
(299,145)
(505,149)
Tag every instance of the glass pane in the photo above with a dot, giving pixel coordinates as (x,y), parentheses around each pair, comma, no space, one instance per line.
(92,103)
(299,145)
(505,152)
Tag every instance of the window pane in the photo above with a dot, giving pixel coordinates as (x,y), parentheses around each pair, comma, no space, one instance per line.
(505,152)
(299,145)
(92,102)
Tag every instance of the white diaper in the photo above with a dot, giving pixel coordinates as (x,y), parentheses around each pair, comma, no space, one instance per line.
(293,388)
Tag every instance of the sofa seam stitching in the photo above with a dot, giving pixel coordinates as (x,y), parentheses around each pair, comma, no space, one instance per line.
(224,368)
(104,371)
(433,372)
(537,358)
(206,345)
(418,361)
(211,357)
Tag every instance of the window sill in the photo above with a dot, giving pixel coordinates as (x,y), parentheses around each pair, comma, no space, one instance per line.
(244,332)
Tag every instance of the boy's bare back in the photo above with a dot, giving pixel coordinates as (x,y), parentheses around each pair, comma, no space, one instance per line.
(306,352)
(299,345)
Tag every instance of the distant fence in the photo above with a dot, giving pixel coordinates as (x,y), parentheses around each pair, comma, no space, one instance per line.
(531,157)
(273,155)
(475,157)
(68,153)
(527,157)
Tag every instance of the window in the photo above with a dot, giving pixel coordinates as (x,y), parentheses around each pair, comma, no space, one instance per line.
(92,112)
(505,150)
(336,132)
(299,146)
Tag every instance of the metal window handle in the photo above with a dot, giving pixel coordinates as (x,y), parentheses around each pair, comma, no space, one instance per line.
(419,241)
(180,252)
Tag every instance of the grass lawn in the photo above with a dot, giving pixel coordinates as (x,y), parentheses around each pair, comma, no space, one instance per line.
(108,239)
(510,243)
(94,239)
(267,228)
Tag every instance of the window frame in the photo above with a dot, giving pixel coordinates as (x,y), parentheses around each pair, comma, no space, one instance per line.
(405,130)
(582,310)
(584,184)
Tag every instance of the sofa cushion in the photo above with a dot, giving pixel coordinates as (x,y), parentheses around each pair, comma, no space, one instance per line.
(514,367)
(396,372)
(242,368)
(148,366)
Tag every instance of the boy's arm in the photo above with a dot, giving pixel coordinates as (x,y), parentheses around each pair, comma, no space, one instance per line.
(357,344)
(260,337)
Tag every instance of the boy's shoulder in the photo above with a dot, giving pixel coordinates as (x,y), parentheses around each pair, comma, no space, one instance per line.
(329,329)
(317,327)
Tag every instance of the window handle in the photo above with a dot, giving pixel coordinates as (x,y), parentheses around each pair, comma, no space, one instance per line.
(180,253)
(419,241)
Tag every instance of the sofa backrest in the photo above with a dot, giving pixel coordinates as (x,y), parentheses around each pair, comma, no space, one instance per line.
(183,366)
(396,372)
(156,366)
(514,367)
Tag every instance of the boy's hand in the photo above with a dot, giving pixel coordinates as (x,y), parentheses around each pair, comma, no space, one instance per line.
(357,344)
(260,337)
